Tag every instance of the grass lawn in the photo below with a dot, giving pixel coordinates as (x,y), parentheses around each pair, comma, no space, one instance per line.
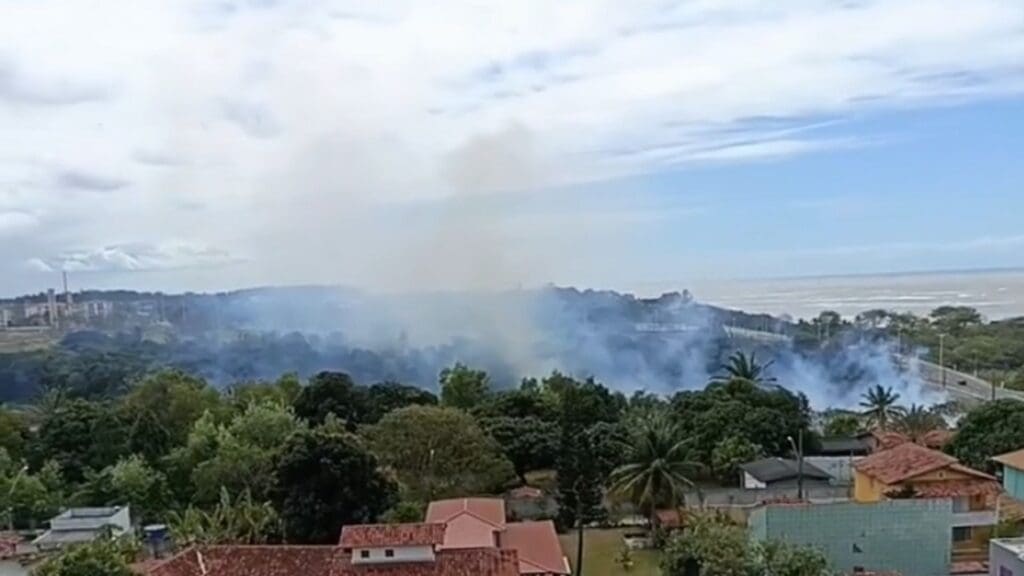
(600,548)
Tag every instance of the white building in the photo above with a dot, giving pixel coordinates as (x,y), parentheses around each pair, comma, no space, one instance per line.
(1006,557)
(79,525)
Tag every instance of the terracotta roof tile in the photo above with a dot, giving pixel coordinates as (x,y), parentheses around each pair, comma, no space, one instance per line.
(537,545)
(903,461)
(1013,459)
(249,561)
(328,561)
(381,535)
(956,488)
(489,510)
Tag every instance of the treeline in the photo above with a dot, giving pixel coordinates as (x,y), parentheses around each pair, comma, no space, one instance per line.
(293,461)
(960,334)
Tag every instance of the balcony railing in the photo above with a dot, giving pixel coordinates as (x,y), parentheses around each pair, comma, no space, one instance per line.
(976,518)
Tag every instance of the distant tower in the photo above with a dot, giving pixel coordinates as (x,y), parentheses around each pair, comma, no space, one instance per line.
(51,306)
(67,293)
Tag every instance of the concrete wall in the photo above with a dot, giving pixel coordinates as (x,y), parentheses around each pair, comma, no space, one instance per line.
(399,554)
(749,482)
(839,467)
(1013,482)
(1002,560)
(911,537)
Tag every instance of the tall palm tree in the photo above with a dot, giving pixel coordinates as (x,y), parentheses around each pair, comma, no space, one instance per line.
(743,367)
(880,407)
(917,421)
(656,472)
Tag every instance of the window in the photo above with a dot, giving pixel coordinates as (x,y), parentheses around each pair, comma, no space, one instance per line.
(961,533)
(389,553)
(961,504)
(364,553)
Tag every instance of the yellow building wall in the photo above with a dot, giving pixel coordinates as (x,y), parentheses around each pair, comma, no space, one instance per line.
(866,488)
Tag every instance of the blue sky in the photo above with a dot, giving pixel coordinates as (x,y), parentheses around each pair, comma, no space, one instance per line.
(397,145)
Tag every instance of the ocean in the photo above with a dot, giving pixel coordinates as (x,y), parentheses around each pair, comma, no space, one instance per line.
(997,294)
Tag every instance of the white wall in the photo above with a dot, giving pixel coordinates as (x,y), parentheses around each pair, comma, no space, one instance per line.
(401,554)
(750,482)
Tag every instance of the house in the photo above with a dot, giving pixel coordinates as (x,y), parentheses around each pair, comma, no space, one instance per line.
(362,550)
(907,536)
(913,471)
(1013,472)
(480,523)
(79,525)
(1006,557)
(781,473)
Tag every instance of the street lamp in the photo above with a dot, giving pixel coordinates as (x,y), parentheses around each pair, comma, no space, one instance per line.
(10,498)
(798,449)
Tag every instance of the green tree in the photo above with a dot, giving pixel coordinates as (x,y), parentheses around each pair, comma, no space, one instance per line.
(14,431)
(388,396)
(522,403)
(131,481)
(327,480)
(657,472)
(232,521)
(742,409)
(990,429)
(917,421)
(955,319)
(332,393)
(581,482)
(80,435)
(712,546)
(462,387)
(880,408)
(103,557)
(528,443)
(729,454)
(406,511)
(782,559)
(843,425)
(743,367)
(238,456)
(160,412)
(284,391)
(439,452)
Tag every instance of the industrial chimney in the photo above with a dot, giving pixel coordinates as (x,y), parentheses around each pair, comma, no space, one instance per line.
(51,306)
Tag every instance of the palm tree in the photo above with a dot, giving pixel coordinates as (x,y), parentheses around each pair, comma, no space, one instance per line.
(917,421)
(743,367)
(657,471)
(880,407)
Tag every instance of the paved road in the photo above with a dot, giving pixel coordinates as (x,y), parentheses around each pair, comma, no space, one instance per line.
(961,385)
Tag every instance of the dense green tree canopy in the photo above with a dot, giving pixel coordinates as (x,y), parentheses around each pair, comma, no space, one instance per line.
(462,387)
(387,396)
(326,480)
(80,435)
(160,412)
(989,430)
(131,481)
(529,443)
(103,557)
(742,409)
(332,393)
(439,452)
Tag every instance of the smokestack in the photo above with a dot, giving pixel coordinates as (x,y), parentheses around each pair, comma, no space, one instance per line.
(51,306)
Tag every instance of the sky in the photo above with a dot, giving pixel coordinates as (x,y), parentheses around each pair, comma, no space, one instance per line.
(210,145)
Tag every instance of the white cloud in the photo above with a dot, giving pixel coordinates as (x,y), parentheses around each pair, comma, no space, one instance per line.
(277,127)
(137,258)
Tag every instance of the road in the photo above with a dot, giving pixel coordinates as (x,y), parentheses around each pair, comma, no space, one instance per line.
(963,386)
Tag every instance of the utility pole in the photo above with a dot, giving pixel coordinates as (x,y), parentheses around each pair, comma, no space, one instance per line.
(798,448)
(942,353)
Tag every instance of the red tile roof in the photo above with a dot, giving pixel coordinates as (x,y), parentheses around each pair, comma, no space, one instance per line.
(902,462)
(1013,459)
(956,488)
(328,561)
(489,510)
(538,548)
(249,561)
(382,535)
